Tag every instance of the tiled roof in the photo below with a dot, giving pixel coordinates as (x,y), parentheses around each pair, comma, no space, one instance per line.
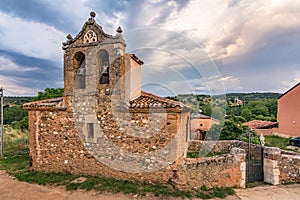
(257,124)
(147,100)
(48,103)
(134,57)
(200,116)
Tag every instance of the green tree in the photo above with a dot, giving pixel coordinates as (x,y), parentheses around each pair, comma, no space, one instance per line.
(258,107)
(271,104)
(49,93)
(231,130)
(16,117)
(247,114)
(15,113)
(206,109)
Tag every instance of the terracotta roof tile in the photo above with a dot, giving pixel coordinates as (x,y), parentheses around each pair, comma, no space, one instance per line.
(257,124)
(147,100)
(48,103)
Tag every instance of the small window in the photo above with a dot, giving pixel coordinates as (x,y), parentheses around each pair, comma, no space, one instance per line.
(90,129)
(104,79)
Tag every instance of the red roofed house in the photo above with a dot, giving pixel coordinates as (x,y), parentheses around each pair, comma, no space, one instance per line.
(288,114)
(200,124)
(261,127)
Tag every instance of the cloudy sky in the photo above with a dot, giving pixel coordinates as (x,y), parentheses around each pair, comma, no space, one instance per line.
(188,46)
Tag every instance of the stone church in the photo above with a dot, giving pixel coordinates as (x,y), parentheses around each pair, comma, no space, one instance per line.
(105,125)
(104,114)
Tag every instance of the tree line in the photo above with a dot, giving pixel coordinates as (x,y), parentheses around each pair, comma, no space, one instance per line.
(252,106)
(262,106)
(13,113)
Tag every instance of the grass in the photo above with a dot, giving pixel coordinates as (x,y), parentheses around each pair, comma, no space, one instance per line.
(195,154)
(206,193)
(16,163)
(276,141)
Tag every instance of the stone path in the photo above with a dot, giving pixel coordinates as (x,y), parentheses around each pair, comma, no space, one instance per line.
(282,192)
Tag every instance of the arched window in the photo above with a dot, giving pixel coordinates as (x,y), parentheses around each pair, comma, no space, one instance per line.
(104,66)
(79,59)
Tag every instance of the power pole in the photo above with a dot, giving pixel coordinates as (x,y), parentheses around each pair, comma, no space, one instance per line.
(1,129)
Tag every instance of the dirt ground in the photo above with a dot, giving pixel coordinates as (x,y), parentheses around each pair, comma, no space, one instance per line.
(11,189)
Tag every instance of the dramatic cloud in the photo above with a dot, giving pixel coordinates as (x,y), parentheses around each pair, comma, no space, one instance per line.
(7,65)
(30,38)
(244,45)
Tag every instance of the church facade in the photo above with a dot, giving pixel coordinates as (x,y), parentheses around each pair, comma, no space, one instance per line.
(105,124)
(115,120)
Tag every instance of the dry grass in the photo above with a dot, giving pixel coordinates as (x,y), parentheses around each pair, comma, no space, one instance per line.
(15,141)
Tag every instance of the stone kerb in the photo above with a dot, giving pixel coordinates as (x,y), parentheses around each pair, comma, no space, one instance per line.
(271,167)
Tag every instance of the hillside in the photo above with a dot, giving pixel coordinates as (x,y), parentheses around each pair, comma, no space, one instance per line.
(250,106)
(13,101)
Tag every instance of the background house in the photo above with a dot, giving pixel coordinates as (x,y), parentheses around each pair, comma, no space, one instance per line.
(200,124)
(261,127)
(288,115)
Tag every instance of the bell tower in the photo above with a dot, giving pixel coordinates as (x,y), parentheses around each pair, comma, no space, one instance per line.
(93,61)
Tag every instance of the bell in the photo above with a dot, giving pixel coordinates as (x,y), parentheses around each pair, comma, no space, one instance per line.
(104,70)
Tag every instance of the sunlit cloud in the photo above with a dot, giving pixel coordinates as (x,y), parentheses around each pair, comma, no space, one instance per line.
(30,38)
(238,42)
(8,65)
(13,87)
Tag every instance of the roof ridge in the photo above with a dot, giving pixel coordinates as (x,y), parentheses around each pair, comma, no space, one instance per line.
(147,100)
(159,97)
(53,102)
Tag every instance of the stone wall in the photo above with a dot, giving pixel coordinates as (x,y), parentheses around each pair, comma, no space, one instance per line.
(281,166)
(224,146)
(55,146)
(227,170)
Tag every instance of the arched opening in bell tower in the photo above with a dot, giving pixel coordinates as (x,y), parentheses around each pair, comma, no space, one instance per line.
(104,66)
(79,60)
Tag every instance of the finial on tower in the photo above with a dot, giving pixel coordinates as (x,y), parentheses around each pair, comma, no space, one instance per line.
(91,20)
(119,30)
(92,14)
(69,37)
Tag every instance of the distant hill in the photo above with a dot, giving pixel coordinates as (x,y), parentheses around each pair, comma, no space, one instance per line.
(13,101)
(203,103)
(246,97)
